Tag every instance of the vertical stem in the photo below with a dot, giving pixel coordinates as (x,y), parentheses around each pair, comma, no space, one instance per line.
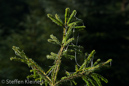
(57,66)
(64,34)
(58,61)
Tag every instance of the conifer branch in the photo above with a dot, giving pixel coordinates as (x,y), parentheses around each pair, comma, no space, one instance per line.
(55,20)
(84,71)
(71,16)
(29,62)
(67,12)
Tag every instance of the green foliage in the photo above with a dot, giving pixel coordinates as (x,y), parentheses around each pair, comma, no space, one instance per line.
(55,20)
(52,56)
(104,20)
(54,40)
(70,52)
(67,13)
(38,72)
(71,16)
(86,71)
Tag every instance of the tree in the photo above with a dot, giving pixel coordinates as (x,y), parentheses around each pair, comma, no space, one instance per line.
(107,26)
(85,71)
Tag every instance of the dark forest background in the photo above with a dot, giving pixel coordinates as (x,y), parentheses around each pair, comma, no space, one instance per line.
(24,23)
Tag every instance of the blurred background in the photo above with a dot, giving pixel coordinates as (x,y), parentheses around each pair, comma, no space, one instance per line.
(24,23)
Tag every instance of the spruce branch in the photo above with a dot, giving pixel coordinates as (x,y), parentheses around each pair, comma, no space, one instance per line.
(71,16)
(67,12)
(54,40)
(35,67)
(58,18)
(55,20)
(84,71)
